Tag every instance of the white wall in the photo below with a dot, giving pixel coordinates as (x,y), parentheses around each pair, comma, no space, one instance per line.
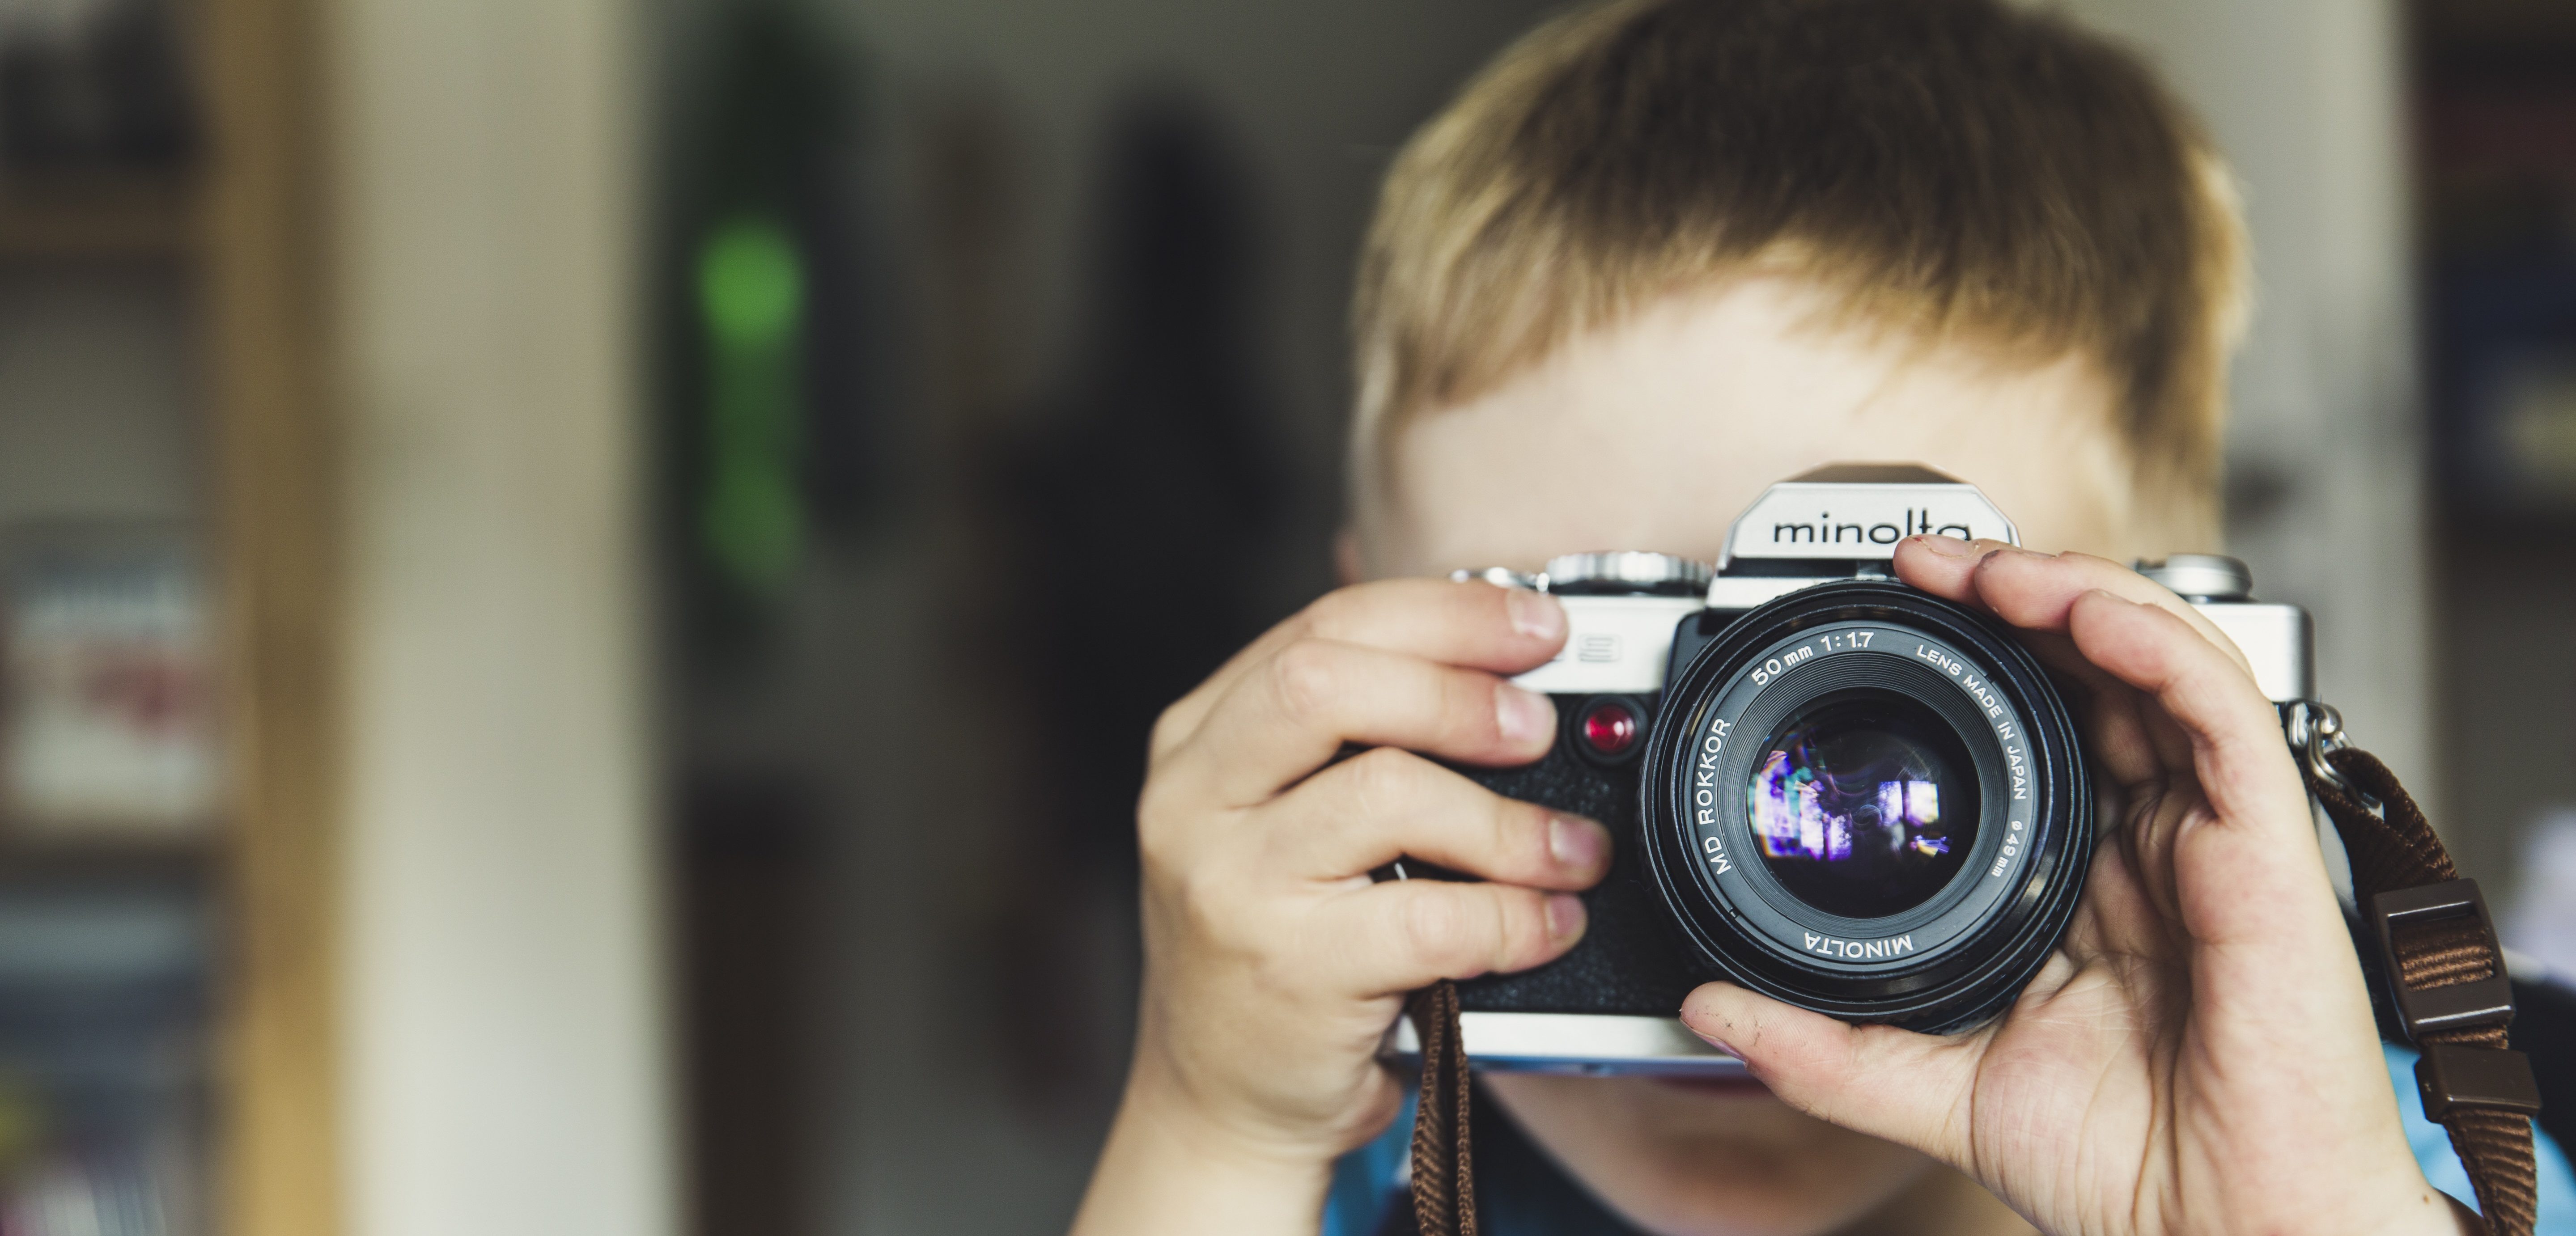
(505,1009)
(2305,98)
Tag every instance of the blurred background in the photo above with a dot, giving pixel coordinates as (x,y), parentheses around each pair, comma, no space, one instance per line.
(581,583)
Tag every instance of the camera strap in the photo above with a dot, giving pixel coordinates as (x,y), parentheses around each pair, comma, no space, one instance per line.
(2440,964)
(1444,1175)
(2437,956)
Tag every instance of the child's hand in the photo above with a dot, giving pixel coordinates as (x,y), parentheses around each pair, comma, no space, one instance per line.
(2198,1056)
(1272,963)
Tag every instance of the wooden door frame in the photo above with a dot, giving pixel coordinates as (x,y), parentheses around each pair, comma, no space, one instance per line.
(262,258)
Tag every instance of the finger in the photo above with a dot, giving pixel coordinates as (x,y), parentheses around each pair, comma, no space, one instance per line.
(1388,804)
(2114,714)
(2033,590)
(1473,624)
(1285,717)
(2245,874)
(1908,1088)
(2131,739)
(1406,934)
(2233,732)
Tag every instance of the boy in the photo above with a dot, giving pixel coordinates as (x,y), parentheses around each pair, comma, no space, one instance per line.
(1661,254)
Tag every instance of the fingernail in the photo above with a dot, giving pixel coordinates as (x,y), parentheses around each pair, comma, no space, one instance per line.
(1575,844)
(1522,715)
(1564,916)
(1946,546)
(1534,614)
(1714,1041)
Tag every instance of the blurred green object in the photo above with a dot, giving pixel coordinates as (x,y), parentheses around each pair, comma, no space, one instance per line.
(751,308)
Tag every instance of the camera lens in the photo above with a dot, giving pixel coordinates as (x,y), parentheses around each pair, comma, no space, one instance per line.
(1867,801)
(1863,805)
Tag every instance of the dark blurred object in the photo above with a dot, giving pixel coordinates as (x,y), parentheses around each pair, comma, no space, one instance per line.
(750,881)
(774,434)
(2495,148)
(1137,508)
(769,444)
(2498,135)
(1143,496)
(2507,407)
(2544,1028)
(102,1060)
(90,84)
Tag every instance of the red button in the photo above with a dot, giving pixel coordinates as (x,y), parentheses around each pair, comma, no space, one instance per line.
(1610,728)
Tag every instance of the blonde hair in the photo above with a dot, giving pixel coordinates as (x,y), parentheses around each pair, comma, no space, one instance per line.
(1942,165)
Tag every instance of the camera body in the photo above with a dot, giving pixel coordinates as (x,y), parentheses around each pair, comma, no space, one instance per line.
(1820,782)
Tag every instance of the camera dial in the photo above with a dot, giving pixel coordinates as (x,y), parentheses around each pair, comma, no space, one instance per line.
(1625,572)
(2202,578)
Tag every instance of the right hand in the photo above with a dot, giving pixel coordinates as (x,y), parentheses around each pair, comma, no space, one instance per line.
(1273,964)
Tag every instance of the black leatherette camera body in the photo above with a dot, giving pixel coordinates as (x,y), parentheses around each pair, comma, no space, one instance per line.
(1631,961)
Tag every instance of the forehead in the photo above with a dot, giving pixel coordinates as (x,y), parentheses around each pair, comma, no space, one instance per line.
(1653,434)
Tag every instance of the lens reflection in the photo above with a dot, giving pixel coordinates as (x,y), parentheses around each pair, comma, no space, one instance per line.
(1864,806)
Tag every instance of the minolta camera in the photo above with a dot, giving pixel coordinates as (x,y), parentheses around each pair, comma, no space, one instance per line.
(1821,783)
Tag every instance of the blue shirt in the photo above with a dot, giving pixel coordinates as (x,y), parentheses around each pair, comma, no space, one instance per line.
(1367,1180)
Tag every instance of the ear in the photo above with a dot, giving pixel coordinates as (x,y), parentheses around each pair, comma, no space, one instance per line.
(1346,557)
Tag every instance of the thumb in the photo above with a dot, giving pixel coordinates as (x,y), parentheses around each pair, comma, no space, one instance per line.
(1911,1089)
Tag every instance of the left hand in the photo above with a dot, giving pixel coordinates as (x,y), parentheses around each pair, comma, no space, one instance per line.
(2198,1054)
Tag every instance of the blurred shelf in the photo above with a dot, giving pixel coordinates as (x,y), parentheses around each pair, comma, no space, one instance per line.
(40,858)
(55,215)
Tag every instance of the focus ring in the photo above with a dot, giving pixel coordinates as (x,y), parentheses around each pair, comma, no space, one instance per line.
(1969,948)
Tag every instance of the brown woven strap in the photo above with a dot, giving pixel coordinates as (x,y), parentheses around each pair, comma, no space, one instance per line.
(2478,1089)
(1444,1175)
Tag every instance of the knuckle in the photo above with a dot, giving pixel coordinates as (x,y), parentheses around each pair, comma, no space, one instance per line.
(1156,826)
(1306,677)
(1381,780)
(1169,725)
(1440,931)
(1207,903)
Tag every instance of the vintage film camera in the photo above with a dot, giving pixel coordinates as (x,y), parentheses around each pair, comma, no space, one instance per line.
(1820,783)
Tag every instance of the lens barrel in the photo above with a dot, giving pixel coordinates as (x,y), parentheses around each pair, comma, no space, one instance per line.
(1868,801)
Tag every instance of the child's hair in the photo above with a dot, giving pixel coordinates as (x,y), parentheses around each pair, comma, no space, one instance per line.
(1942,165)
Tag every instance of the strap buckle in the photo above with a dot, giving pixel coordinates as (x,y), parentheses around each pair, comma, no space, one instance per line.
(2473,1005)
(2453,1076)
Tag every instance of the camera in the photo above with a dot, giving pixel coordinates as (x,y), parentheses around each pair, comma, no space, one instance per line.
(1821,784)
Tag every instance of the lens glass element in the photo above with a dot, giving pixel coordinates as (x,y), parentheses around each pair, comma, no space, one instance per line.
(1864,804)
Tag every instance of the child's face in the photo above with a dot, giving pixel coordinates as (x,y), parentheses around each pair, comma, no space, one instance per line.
(1652,436)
